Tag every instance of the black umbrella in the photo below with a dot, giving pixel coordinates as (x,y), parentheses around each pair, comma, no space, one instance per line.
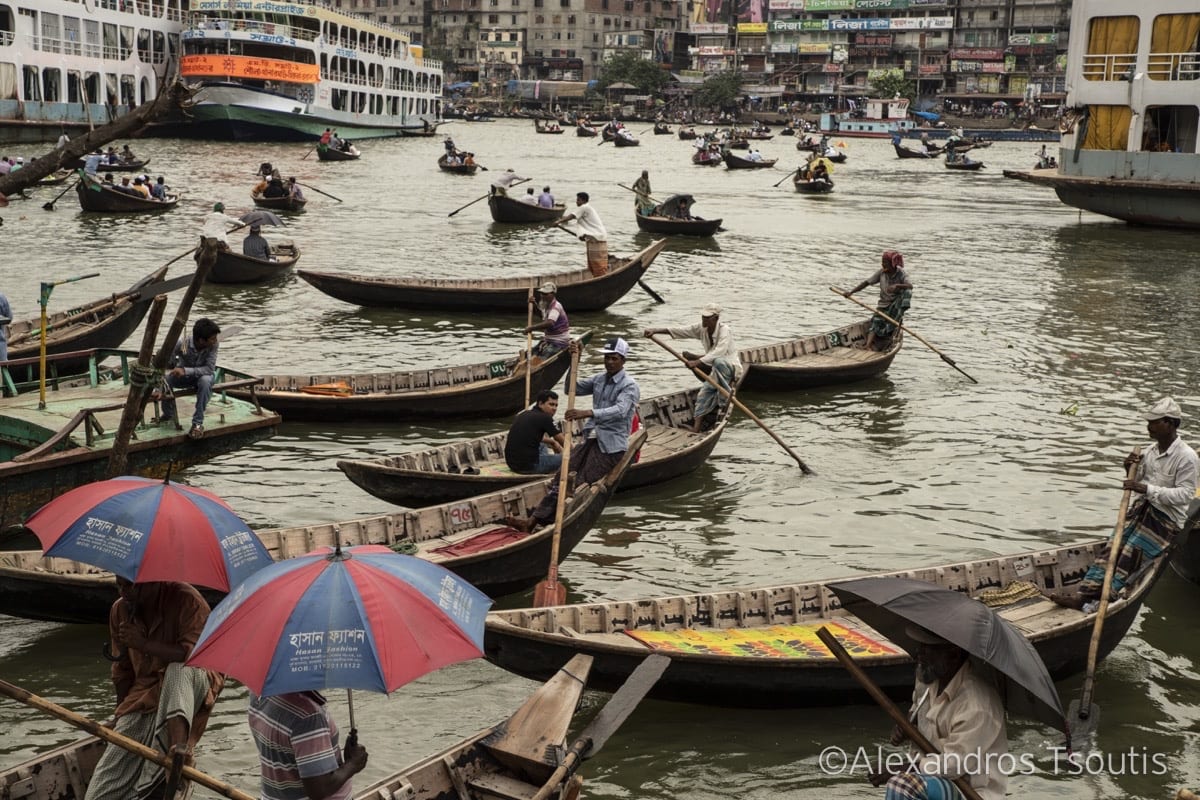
(890,605)
(260,216)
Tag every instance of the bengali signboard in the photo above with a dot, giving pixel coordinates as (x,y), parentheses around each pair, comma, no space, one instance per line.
(752,27)
(786,25)
(785,5)
(829,5)
(1033,38)
(265,69)
(921,23)
(879,5)
(873,39)
(817,48)
(977,53)
(710,29)
(782,47)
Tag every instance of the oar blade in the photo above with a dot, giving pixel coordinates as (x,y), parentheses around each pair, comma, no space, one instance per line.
(1083,726)
(549,593)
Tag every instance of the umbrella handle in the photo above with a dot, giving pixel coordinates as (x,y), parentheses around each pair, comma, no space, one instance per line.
(106,651)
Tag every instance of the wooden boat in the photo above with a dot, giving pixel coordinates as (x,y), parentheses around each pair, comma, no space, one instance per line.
(506,209)
(686,133)
(104,323)
(327,153)
(469,538)
(579,290)
(96,196)
(67,444)
(624,139)
(821,359)
(540,128)
(908,152)
(457,169)
(57,178)
(438,475)
(733,161)
(586,130)
(759,136)
(284,203)
(964,165)
(812,185)
(707,158)
(1185,553)
(120,166)
(234,267)
(665,219)
(492,389)
(662,129)
(738,143)
(61,773)
(711,637)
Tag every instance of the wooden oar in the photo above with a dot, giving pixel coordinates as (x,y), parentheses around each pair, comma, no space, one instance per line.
(729,396)
(785,177)
(1083,714)
(49,206)
(635,191)
(942,355)
(551,592)
(120,740)
(645,288)
(310,152)
(529,348)
(898,716)
(318,191)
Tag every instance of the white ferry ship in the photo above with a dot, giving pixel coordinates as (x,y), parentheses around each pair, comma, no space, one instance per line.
(288,70)
(70,65)
(1133,82)
(873,119)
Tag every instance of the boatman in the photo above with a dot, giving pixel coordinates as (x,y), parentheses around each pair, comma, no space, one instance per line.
(592,232)
(720,360)
(503,182)
(895,297)
(534,444)
(554,322)
(215,226)
(1165,479)
(642,202)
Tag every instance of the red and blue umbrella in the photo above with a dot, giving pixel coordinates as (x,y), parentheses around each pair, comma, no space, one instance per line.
(355,618)
(147,530)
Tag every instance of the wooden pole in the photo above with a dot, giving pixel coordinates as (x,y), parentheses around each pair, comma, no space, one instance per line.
(885,702)
(551,592)
(124,742)
(729,396)
(140,386)
(529,349)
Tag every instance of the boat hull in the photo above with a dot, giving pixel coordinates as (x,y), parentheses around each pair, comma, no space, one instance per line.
(678,227)
(104,200)
(233,267)
(330,154)
(514,212)
(1168,204)
(284,203)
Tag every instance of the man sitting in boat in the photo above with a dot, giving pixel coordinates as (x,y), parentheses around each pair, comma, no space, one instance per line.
(140,187)
(275,188)
(719,360)
(545,199)
(326,137)
(127,155)
(895,296)
(754,155)
(529,197)
(194,363)
(125,187)
(534,444)
(293,190)
(554,322)
(159,189)
(255,244)
(820,171)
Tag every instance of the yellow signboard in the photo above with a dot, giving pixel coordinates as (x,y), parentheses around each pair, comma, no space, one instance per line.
(263,69)
(752,27)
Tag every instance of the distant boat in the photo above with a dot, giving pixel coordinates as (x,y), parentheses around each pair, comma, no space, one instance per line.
(875,119)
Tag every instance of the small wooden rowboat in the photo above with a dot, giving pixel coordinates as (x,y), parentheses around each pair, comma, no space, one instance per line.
(733,161)
(579,290)
(686,133)
(56,178)
(624,139)
(491,389)
(232,267)
(547,128)
(665,219)
(758,648)
(457,169)
(908,152)
(96,196)
(284,203)
(440,474)
(707,158)
(821,359)
(964,165)
(812,185)
(120,166)
(515,212)
(327,153)
(469,538)
(661,129)
(586,131)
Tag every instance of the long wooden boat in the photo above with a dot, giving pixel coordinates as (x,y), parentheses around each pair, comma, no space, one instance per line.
(104,323)
(707,158)
(61,774)
(469,538)
(686,133)
(821,359)
(120,166)
(677,227)
(96,196)
(812,185)
(285,203)
(464,469)
(908,152)
(56,178)
(662,129)
(506,209)
(733,161)
(579,290)
(625,140)
(540,128)
(965,166)
(234,267)
(327,153)
(457,169)
(68,443)
(757,647)
(491,389)
(586,131)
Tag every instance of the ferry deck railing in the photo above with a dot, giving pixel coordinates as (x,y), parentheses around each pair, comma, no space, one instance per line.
(1109,66)
(1173,66)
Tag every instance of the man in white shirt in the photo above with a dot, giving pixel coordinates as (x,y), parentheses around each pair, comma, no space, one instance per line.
(591,231)
(503,182)
(529,197)
(215,225)
(720,360)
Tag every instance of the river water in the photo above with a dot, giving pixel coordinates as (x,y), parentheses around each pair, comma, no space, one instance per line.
(1071,324)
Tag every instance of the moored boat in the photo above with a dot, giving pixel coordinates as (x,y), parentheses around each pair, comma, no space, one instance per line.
(461,168)
(757,647)
(104,198)
(734,161)
(817,360)
(877,118)
(464,469)
(579,290)
(515,212)
(666,218)
(232,267)
(908,152)
(491,389)
(281,203)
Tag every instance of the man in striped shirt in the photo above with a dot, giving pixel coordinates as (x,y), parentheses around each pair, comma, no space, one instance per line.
(298,749)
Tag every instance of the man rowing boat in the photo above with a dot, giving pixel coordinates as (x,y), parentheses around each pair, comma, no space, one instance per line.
(895,297)
(720,360)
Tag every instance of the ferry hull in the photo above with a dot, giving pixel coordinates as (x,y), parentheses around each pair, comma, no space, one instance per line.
(1161,204)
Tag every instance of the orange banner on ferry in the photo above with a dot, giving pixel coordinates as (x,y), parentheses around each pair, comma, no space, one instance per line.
(263,69)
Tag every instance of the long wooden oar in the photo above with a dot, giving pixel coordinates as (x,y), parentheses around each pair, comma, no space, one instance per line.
(310,152)
(1083,714)
(120,740)
(486,196)
(529,348)
(318,191)
(942,355)
(551,592)
(899,717)
(645,288)
(49,206)
(785,177)
(729,396)
(635,191)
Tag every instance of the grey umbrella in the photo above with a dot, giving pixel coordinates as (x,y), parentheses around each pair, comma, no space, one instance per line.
(890,605)
(260,216)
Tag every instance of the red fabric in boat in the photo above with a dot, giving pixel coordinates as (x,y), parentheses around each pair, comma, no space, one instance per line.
(482,542)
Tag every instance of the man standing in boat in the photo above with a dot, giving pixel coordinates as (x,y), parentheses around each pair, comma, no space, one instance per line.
(720,360)
(642,202)
(592,232)
(503,182)
(534,444)
(895,296)
(554,322)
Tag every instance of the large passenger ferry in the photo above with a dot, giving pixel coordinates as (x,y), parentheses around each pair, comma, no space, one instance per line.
(1133,78)
(71,65)
(289,69)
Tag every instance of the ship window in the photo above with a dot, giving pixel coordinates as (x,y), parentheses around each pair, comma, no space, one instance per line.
(110,40)
(8,26)
(1108,127)
(143,45)
(126,41)
(33,89)
(159,47)
(52,85)
(50,33)
(1174,48)
(1170,129)
(1111,49)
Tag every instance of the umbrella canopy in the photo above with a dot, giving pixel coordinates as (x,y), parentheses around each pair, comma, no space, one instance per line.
(355,618)
(148,530)
(1000,104)
(889,605)
(260,216)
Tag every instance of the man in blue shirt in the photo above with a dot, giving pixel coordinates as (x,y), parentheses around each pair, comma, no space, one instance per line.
(194,364)
(545,199)
(606,429)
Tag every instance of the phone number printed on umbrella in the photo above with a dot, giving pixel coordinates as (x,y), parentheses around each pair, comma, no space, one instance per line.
(454,598)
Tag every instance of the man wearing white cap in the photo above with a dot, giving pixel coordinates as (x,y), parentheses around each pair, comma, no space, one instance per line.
(1166,480)
(720,360)
(554,322)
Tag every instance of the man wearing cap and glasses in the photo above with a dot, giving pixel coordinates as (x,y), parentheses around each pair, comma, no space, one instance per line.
(720,360)
(554,322)
(605,436)
(1166,480)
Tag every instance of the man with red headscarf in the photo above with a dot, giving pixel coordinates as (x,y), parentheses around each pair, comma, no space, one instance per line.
(895,295)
